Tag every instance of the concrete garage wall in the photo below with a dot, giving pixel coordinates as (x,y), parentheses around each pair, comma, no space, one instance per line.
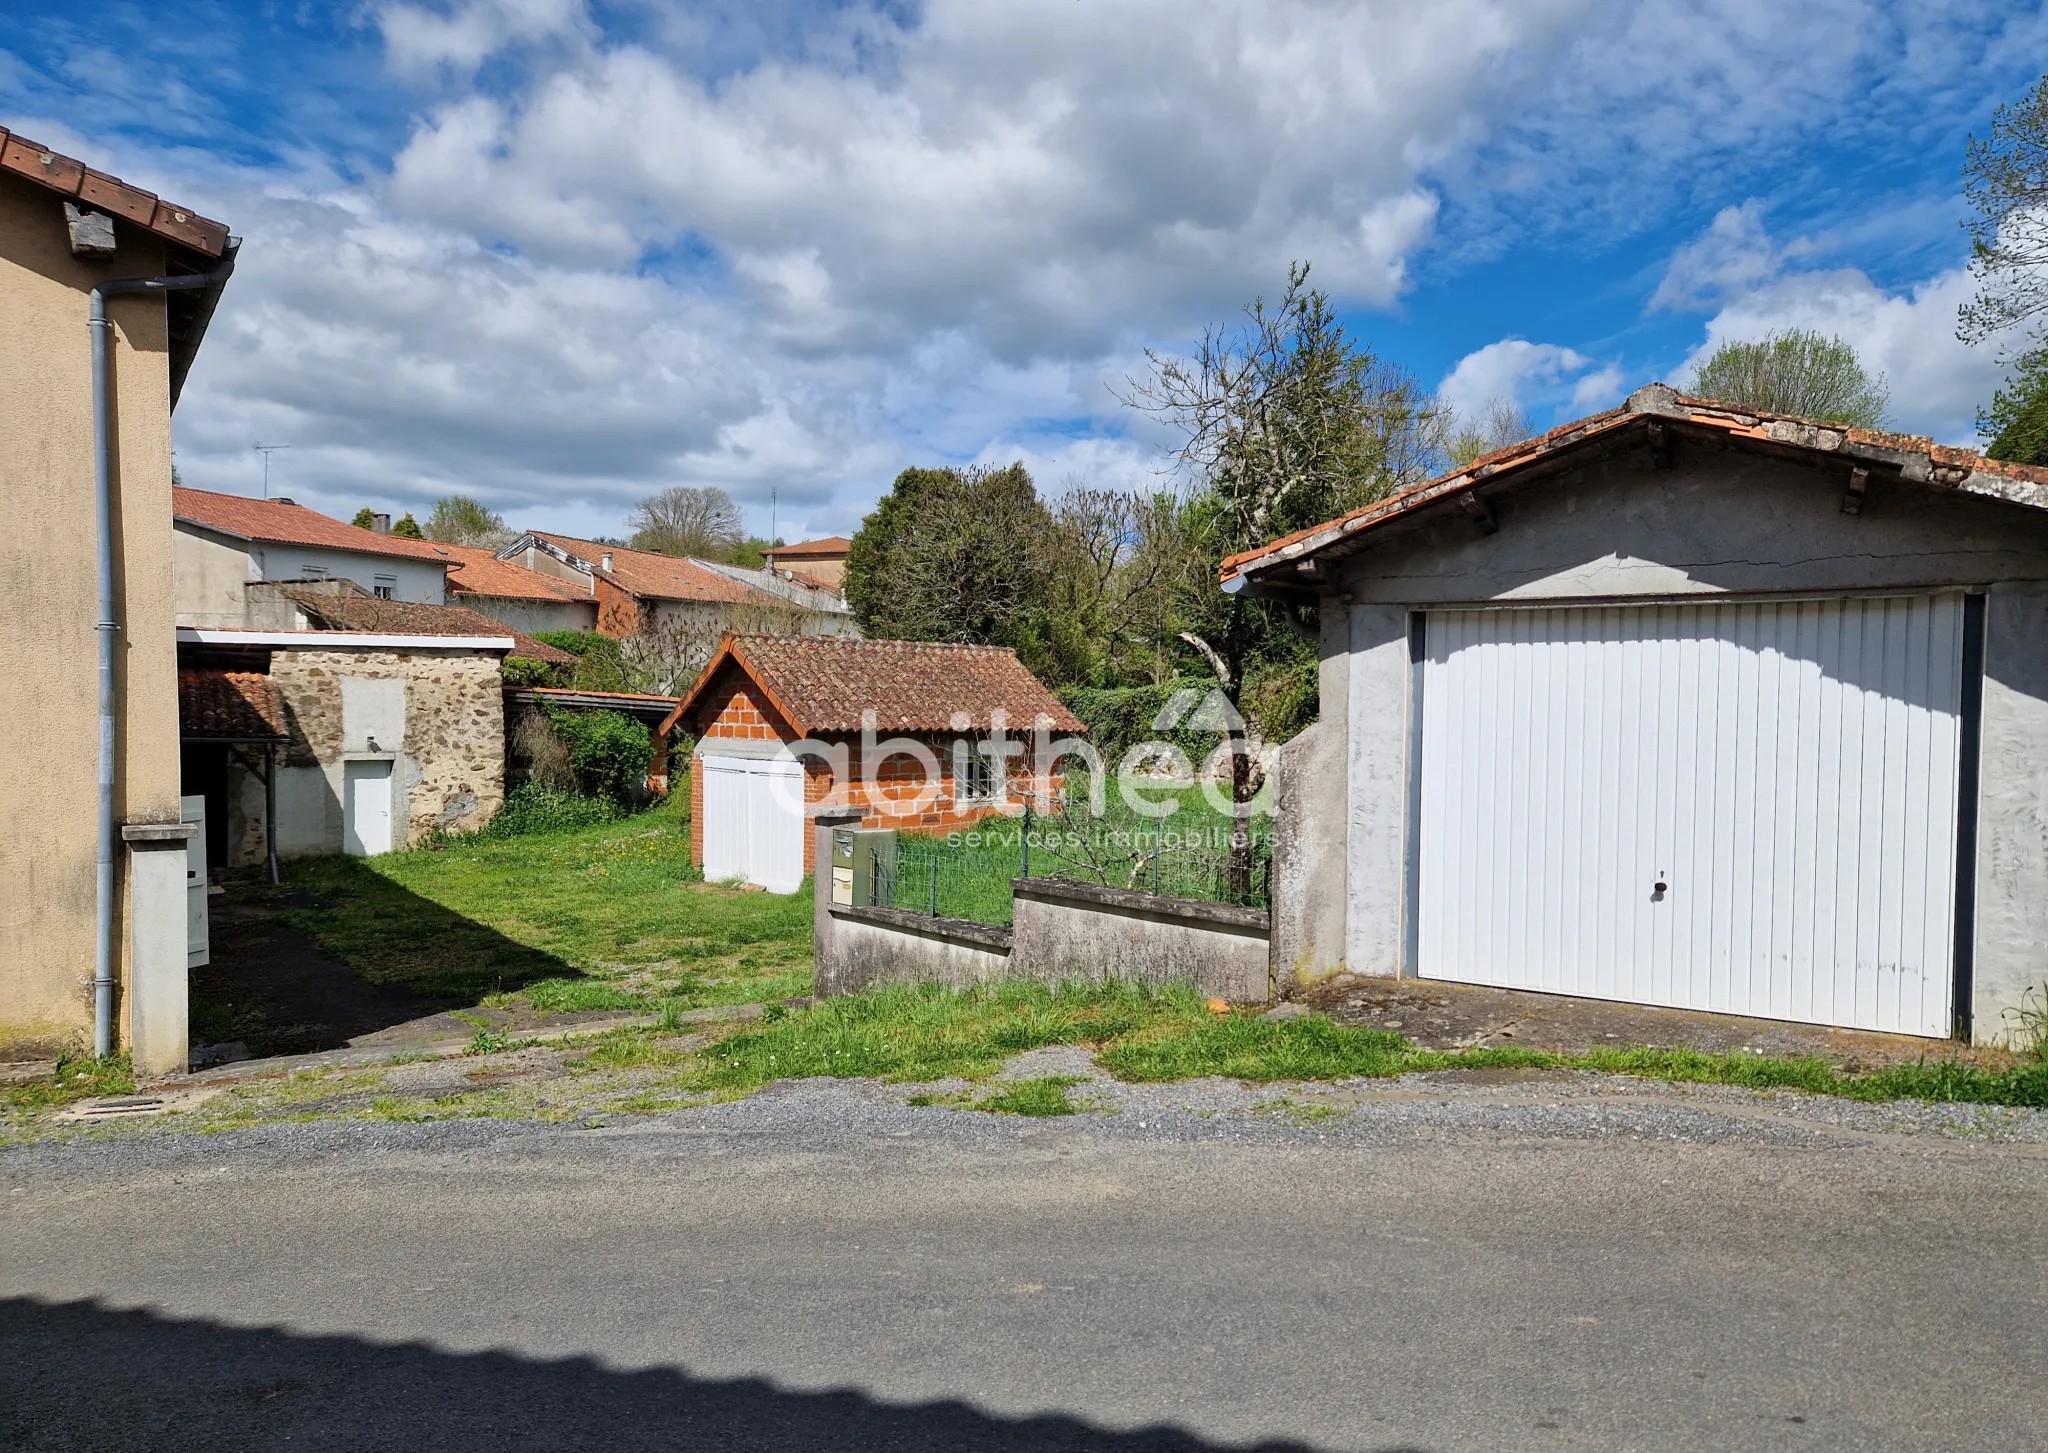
(1062,931)
(1717,522)
(2012,821)
(1311,785)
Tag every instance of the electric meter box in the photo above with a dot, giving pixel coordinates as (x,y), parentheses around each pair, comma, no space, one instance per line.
(863,865)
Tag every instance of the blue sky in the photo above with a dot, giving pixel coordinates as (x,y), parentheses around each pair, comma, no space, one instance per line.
(556,253)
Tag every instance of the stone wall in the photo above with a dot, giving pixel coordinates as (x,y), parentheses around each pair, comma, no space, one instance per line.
(440,721)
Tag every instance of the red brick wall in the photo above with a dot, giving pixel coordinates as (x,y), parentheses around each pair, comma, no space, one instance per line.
(734,710)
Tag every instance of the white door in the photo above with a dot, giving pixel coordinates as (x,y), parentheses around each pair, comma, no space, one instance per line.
(197,941)
(754,821)
(1786,771)
(366,808)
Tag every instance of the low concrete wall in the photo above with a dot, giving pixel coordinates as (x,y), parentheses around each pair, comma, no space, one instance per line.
(1063,930)
(1069,930)
(892,945)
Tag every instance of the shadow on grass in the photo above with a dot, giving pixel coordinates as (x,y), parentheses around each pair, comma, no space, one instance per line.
(390,935)
(162,1383)
(343,952)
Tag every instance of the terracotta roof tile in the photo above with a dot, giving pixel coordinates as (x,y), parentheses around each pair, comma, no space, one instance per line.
(273,522)
(829,547)
(412,618)
(226,705)
(1917,457)
(825,683)
(648,575)
(473,570)
(74,178)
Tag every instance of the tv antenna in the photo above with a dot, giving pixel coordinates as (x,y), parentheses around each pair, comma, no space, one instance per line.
(266,450)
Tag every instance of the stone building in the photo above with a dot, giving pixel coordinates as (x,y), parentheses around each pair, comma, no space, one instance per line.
(392,723)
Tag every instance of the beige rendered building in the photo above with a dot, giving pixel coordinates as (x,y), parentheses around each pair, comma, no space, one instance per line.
(92,896)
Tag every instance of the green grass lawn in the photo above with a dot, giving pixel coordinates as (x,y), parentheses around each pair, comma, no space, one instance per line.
(609,916)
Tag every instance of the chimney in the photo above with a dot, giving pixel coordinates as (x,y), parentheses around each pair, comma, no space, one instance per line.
(380,524)
(282,499)
(606,562)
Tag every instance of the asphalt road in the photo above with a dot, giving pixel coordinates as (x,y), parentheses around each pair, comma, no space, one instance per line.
(816,1269)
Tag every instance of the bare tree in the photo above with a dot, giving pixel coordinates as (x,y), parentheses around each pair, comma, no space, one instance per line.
(669,650)
(1285,421)
(682,520)
(1497,425)
(2005,179)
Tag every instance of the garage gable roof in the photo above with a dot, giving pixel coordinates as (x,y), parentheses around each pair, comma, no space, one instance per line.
(1651,409)
(827,683)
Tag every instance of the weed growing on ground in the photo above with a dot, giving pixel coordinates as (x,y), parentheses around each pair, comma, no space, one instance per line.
(1046,1095)
(929,1032)
(78,1077)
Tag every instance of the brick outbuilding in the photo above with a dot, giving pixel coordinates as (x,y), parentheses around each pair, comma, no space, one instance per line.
(909,734)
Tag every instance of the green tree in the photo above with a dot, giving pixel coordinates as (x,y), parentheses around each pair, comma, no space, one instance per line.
(459,520)
(1795,372)
(365,519)
(953,555)
(2005,181)
(2017,421)
(408,528)
(682,520)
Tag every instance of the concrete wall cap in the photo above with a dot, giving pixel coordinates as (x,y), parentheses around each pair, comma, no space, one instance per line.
(956,930)
(158,832)
(1194,909)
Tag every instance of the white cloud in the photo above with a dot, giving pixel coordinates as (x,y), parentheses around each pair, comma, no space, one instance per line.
(1046,174)
(418,38)
(1531,375)
(1756,287)
(769,247)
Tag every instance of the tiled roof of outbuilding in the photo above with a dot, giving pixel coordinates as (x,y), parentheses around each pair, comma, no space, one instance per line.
(1914,457)
(371,614)
(825,683)
(229,706)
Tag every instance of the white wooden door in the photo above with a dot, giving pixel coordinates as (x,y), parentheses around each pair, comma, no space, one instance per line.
(1786,771)
(753,821)
(198,941)
(366,808)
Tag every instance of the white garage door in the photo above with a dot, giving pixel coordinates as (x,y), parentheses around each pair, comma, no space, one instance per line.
(1787,771)
(754,821)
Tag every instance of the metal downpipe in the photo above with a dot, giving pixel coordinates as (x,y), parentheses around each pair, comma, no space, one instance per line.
(106,627)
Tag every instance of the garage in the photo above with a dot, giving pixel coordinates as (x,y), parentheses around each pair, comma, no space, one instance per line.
(1749,808)
(1679,704)
(753,827)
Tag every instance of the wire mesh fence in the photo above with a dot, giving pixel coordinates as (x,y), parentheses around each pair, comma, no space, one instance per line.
(967,874)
